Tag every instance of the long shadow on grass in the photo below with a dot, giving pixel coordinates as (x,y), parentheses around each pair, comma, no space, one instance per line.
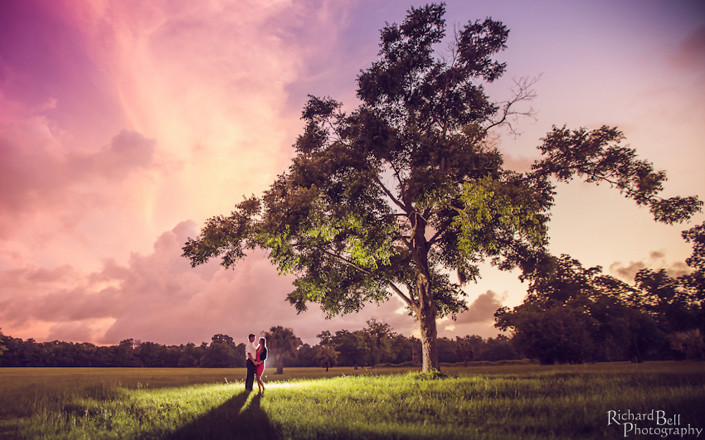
(230,421)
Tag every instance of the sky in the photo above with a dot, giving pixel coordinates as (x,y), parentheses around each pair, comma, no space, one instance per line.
(124,125)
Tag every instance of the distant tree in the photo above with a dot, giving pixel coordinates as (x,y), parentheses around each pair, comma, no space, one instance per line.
(128,353)
(152,355)
(10,357)
(477,344)
(378,337)
(621,331)
(3,348)
(65,354)
(695,281)
(571,314)
(402,349)
(325,337)
(676,305)
(446,350)
(554,335)
(123,355)
(221,353)
(189,356)
(352,347)
(240,355)
(31,353)
(325,356)
(306,356)
(464,350)
(282,346)
(667,299)
(500,348)
(406,188)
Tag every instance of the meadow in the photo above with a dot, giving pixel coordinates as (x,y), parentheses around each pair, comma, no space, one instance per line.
(476,402)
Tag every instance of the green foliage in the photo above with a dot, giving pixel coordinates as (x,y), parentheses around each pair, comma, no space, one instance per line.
(553,335)
(326,356)
(222,353)
(497,212)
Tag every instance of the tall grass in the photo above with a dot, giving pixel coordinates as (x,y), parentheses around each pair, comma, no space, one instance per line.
(483,402)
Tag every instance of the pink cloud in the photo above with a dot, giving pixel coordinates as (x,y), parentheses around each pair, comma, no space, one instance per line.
(656,261)
(70,331)
(477,320)
(159,297)
(481,309)
(37,173)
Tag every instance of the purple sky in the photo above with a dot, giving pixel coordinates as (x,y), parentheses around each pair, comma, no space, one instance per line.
(124,125)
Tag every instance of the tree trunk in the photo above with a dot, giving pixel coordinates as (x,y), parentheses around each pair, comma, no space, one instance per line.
(429,352)
(426,317)
(426,312)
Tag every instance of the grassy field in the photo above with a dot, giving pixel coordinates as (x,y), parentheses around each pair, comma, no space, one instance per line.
(478,402)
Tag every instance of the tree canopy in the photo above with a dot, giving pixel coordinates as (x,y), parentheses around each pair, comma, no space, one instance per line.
(398,194)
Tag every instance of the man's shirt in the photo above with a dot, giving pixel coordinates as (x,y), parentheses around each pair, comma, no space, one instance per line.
(250,349)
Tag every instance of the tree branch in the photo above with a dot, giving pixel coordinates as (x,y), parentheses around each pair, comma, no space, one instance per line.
(401,185)
(405,240)
(409,302)
(339,258)
(523,92)
(389,194)
(440,231)
(411,293)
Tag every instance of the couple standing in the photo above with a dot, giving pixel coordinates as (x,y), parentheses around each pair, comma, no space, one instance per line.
(255,356)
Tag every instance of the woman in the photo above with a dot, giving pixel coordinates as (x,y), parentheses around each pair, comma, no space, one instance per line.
(259,363)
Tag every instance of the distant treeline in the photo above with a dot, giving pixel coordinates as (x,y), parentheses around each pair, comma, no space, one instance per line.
(374,345)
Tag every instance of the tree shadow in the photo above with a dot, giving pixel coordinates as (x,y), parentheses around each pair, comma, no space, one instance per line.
(230,421)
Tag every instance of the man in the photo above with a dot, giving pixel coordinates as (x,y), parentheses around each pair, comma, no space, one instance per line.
(250,356)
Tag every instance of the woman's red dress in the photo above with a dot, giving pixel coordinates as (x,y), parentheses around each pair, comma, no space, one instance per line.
(259,369)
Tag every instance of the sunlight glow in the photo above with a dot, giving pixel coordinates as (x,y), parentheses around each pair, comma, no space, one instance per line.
(287,385)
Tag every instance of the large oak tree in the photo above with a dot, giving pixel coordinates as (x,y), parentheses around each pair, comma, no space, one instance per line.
(396,195)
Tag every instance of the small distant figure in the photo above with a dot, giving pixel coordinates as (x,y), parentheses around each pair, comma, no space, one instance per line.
(259,363)
(251,358)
